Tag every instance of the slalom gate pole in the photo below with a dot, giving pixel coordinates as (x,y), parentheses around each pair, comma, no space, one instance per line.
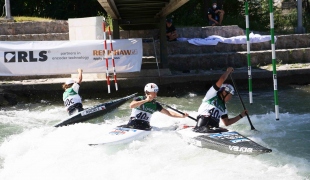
(274,67)
(248,50)
(113,62)
(156,57)
(106,56)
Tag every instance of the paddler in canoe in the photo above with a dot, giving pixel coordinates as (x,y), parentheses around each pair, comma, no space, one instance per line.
(144,106)
(72,99)
(213,106)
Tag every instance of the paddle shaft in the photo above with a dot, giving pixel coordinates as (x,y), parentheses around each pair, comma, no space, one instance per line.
(177,111)
(252,127)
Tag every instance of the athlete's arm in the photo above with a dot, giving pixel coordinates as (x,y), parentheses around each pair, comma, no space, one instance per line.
(80,76)
(138,102)
(228,121)
(135,104)
(224,77)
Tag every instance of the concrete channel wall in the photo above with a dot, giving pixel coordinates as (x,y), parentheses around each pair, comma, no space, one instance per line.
(290,49)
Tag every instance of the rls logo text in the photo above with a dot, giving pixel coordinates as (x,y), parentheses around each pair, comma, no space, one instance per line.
(24,56)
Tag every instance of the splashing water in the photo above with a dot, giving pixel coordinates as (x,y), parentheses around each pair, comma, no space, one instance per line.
(31,148)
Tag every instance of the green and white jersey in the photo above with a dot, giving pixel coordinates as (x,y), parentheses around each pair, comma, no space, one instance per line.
(212,105)
(71,95)
(145,111)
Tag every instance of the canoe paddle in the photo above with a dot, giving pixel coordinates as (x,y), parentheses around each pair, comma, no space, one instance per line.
(252,127)
(177,111)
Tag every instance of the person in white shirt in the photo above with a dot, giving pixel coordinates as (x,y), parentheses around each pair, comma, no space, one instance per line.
(143,108)
(213,106)
(72,99)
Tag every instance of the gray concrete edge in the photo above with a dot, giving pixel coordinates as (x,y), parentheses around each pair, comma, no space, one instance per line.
(263,78)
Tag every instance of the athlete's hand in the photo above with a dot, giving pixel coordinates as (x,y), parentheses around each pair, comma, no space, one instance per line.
(185,115)
(244,113)
(230,69)
(149,98)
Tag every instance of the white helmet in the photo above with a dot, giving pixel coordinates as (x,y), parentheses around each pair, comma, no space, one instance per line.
(228,88)
(69,81)
(151,87)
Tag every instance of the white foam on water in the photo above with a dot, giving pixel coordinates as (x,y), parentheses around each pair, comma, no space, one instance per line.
(32,117)
(63,153)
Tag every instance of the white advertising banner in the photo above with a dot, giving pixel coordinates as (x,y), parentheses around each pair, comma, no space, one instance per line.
(21,58)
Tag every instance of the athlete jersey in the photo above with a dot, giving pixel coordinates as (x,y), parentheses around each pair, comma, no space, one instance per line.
(145,111)
(71,96)
(212,105)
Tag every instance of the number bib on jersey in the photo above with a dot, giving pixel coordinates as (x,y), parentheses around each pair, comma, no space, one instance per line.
(71,96)
(212,105)
(144,112)
(70,100)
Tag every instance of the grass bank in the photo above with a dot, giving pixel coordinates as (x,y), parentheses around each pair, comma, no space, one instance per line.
(27,18)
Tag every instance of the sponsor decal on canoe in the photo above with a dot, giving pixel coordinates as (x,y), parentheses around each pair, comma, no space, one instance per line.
(120,131)
(232,136)
(92,110)
(240,149)
(239,140)
(224,135)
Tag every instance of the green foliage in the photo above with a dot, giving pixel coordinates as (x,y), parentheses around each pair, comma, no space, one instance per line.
(26,18)
(286,23)
(109,20)
(55,9)
(190,14)
(193,13)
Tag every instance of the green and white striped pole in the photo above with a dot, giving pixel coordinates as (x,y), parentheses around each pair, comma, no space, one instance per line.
(274,67)
(248,50)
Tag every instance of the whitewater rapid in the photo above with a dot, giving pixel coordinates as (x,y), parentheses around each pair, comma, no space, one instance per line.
(31,148)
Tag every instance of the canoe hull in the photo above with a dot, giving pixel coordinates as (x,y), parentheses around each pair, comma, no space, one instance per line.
(93,112)
(228,142)
(120,135)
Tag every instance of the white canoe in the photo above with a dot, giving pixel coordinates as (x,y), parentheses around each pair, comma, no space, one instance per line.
(121,135)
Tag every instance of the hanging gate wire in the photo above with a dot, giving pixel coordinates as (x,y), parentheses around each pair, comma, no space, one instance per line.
(113,62)
(106,56)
